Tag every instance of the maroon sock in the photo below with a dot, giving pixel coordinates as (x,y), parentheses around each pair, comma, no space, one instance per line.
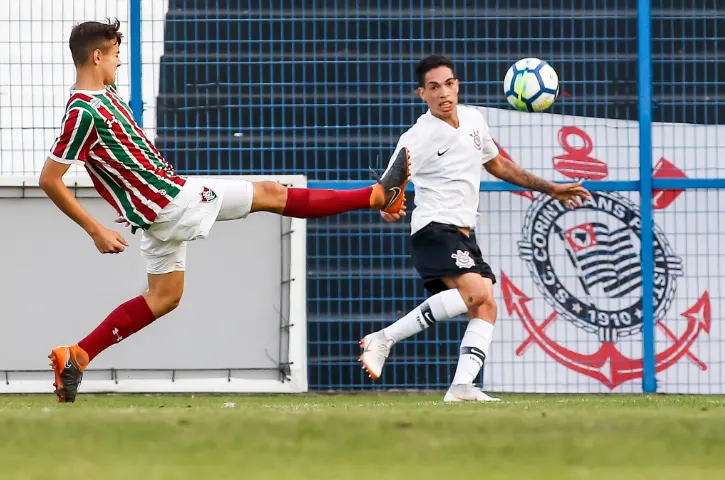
(127,319)
(314,203)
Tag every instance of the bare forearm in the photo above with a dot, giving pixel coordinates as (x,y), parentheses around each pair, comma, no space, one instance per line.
(512,173)
(64,199)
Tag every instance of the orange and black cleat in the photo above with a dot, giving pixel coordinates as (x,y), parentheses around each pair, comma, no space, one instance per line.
(68,365)
(389,193)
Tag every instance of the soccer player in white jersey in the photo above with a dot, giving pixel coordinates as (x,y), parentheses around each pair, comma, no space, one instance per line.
(99,132)
(447,146)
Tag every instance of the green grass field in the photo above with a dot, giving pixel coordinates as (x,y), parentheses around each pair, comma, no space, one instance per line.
(372,437)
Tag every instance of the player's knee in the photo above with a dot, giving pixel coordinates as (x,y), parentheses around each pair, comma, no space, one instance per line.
(481,304)
(489,310)
(269,197)
(172,300)
(166,300)
(273,190)
(476,299)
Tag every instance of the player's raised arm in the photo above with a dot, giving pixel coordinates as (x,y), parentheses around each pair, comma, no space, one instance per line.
(569,193)
(51,182)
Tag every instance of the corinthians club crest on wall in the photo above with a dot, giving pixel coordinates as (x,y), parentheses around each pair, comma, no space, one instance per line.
(585,263)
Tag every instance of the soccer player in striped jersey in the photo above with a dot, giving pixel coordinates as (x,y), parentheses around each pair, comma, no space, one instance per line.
(100,133)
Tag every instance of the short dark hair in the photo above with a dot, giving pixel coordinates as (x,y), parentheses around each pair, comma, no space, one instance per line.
(429,63)
(86,37)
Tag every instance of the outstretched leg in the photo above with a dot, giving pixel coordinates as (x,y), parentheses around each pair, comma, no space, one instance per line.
(387,195)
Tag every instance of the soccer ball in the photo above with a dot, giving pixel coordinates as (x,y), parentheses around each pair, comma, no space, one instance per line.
(531,85)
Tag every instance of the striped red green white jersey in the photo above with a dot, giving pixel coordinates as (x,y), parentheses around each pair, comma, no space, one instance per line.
(99,132)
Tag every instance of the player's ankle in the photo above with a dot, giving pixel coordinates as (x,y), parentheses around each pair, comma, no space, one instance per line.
(377,197)
(80,356)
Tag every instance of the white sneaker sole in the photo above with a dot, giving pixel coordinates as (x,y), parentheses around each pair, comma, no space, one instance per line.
(450,398)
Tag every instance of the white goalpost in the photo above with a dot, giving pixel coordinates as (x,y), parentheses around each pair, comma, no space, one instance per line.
(240,328)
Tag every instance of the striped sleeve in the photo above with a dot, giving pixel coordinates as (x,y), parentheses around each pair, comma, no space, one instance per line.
(76,137)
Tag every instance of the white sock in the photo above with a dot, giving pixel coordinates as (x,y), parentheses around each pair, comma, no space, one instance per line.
(441,306)
(474,350)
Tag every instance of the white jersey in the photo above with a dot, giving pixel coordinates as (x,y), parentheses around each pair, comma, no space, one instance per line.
(445,166)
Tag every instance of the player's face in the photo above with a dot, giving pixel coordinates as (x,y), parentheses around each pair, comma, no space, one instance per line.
(440,91)
(108,62)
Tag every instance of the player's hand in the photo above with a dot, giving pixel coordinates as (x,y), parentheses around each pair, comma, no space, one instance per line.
(571,194)
(393,217)
(108,241)
(122,221)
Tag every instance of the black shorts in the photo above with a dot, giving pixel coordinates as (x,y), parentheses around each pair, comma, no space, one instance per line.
(441,250)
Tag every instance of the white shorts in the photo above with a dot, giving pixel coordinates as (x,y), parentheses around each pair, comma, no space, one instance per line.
(190,216)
